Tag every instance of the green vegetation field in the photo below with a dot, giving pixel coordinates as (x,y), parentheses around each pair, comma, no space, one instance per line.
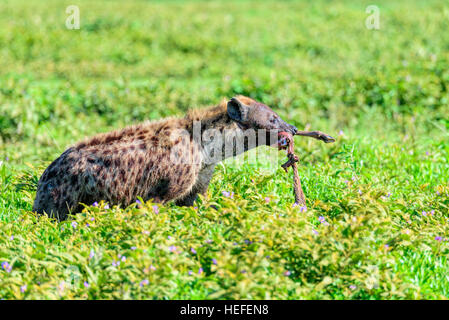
(377,220)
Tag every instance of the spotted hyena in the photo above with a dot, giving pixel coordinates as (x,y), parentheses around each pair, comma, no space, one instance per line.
(162,160)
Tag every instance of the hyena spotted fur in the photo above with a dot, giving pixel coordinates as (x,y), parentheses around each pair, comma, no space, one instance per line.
(138,161)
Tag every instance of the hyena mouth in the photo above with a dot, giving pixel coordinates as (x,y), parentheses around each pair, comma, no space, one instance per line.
(283,140)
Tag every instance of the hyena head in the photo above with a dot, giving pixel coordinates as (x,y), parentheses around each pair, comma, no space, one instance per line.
(250,114)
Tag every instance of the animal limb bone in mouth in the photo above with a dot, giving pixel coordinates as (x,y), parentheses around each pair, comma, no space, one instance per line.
(286,142)
(317,135)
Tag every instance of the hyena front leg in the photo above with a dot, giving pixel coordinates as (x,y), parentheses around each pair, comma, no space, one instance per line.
(200,187)
(188,200)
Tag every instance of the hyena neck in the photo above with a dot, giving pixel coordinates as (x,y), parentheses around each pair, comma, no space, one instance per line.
(219,136)
(213,118)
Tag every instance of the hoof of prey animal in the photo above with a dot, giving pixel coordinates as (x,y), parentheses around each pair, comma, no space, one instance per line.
(168,160)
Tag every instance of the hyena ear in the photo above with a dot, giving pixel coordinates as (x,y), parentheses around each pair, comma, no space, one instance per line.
(237,110)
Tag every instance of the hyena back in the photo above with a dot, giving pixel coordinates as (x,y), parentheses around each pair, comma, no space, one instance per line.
(118,167)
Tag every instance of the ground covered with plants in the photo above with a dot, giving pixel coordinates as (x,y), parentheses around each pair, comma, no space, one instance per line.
(376,224)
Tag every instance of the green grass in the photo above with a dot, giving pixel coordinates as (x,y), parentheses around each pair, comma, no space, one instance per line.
(383,93)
